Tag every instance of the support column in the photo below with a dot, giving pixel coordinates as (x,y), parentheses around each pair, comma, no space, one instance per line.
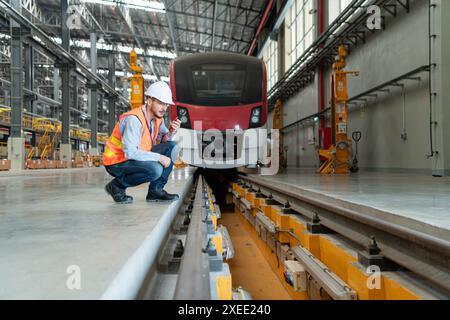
(29,76)
(101,100)
(16,141)
(75,100)
(125,87)
(65,146)
(93,150)
(102,112)
(29,84)
(440,82)
(111,99)
(53,109)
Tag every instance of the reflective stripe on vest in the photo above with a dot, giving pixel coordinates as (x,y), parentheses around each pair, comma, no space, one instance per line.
(113,153)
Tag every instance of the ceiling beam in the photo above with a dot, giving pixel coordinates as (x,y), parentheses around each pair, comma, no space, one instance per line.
(126,15)
(170,20)
(214,26)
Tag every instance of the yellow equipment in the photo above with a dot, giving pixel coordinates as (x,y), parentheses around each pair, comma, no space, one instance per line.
(339,154)
(48,142)
(96,161)
(179,163)
(136,82)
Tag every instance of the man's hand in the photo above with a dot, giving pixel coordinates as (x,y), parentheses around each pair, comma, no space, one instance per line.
(174,126)
(165,161)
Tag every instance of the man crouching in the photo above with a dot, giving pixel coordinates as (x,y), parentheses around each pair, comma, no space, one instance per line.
(132,155)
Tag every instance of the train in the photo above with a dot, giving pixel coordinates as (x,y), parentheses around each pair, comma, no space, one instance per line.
(221,101)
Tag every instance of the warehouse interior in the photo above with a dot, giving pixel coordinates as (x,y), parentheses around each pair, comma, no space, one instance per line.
(69,69)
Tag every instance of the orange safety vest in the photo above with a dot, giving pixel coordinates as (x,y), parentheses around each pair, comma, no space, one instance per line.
(113,150)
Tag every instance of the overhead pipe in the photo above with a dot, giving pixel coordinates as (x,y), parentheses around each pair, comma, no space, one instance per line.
(281,15)
(431,36)
(213,40)
(261,25)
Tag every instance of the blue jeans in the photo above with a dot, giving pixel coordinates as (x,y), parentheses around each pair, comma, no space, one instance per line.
(133,173)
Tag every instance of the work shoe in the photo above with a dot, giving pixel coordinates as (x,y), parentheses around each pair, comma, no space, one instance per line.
(161,196)
(118,194)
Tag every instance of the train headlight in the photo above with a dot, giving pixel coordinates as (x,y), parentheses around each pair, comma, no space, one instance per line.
(183,115)
(255,118)
(184,119)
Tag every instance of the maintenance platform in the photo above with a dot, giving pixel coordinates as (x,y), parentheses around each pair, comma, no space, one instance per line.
(46,236)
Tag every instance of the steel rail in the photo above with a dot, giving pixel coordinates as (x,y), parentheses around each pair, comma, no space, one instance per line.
(193,277)
(128,283)
(422,253)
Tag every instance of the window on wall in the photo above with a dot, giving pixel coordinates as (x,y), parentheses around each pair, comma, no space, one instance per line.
(299,25)
(335,8)
(270,57)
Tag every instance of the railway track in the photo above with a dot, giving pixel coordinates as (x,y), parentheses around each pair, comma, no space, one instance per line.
(391,244)
(185,258)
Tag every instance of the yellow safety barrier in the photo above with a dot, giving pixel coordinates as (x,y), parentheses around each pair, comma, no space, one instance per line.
(49,133)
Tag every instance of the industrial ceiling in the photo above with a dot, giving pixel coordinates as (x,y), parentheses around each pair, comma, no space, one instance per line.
(159,30)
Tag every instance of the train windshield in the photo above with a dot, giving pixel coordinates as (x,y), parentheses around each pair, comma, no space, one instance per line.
(219,84)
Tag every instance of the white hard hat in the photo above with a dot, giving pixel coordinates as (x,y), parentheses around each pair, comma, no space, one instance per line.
(161,91)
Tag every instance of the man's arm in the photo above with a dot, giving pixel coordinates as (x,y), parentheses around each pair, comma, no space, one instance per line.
(164,134)
(131,130)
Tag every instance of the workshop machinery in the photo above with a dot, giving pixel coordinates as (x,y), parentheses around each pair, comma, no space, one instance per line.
(136,82)
(338,156)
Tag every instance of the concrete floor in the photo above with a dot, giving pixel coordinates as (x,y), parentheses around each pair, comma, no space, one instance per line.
(418,198)
(51,220)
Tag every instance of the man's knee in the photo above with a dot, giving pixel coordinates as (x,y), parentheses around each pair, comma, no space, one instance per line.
(173,149)
(156,171)
(152,169)
(171,144)
(175,152)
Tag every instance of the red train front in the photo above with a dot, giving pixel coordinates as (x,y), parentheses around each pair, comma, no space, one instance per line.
(221,100)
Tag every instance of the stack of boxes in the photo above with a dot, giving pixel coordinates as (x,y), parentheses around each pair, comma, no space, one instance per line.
(34,164)
(45,164)
(60,164)
(78,162)
(5,165)
(3,152)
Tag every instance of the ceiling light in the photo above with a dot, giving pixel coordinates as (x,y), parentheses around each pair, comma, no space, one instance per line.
(123,49)
(149,77)
(146,5)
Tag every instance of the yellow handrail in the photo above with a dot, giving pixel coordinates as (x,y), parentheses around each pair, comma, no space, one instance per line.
(46,150)
(30,153)
(51,131)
